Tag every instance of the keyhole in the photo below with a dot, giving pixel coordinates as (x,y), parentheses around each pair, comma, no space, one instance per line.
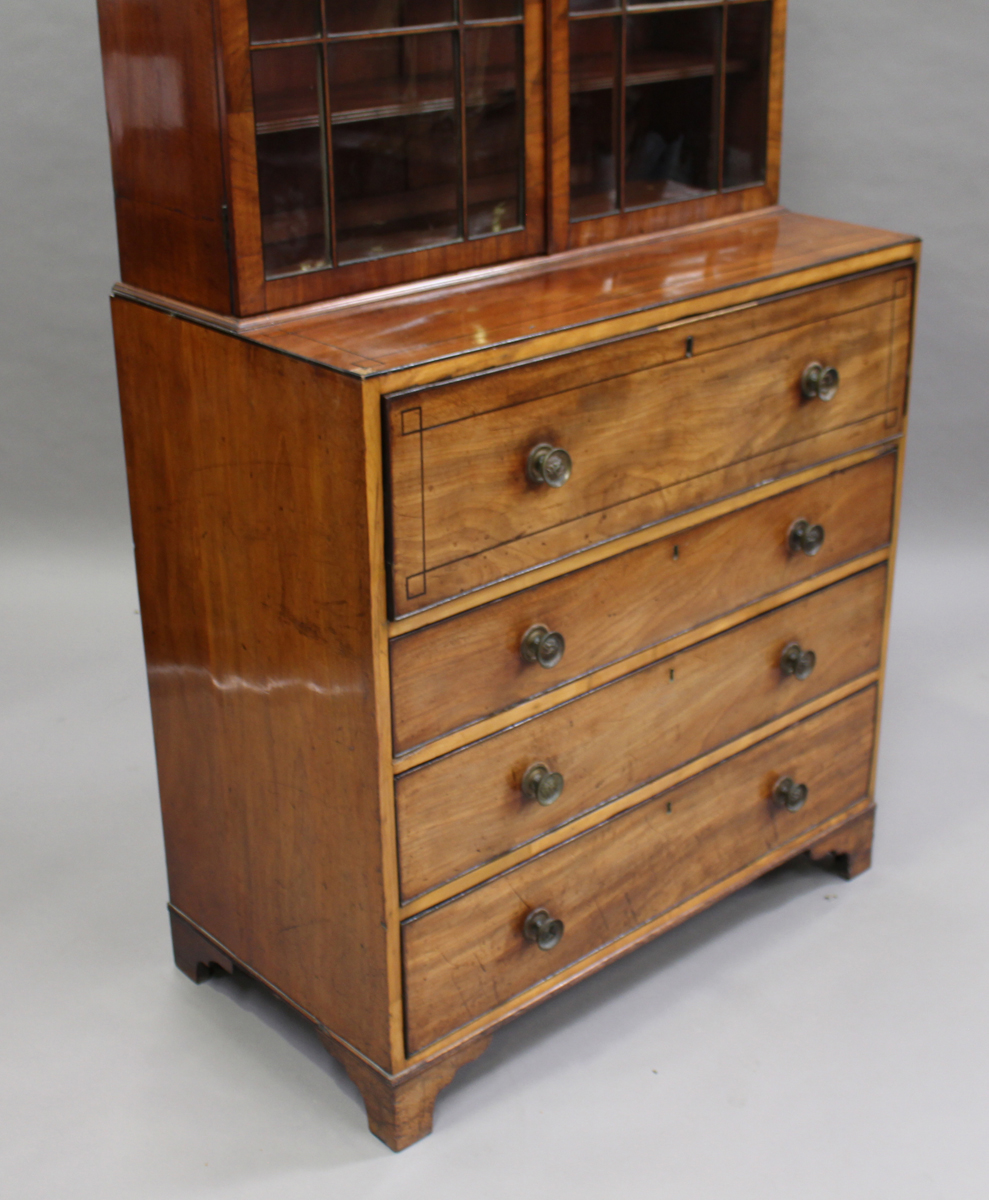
(676,553)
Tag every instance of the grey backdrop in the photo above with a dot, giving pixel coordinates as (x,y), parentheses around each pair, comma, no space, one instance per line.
(805,1038)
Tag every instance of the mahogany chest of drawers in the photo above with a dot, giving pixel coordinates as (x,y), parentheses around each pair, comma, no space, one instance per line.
(494,628)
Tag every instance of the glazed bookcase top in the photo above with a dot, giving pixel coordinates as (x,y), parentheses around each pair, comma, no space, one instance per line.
(274,153)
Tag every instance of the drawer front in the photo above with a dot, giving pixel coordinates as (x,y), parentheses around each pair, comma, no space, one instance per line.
(646,442)
(469,807)
(468,667)
(470,955)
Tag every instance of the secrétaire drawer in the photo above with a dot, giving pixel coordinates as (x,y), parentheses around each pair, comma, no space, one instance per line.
(653,425)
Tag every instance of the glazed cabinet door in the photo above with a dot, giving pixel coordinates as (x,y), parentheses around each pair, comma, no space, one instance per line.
(386,141)
(668,110)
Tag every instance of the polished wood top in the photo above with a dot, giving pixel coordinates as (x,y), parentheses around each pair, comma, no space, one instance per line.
(397,329)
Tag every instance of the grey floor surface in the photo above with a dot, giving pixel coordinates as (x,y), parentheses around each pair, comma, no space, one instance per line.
(808,1038)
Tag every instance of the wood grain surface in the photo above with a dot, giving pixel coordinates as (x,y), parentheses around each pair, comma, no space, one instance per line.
(249,501)
(467,808)
(613,808)
(459,671)
(159,73)
(644,445)
(734,327)
(457,324)
(469,956)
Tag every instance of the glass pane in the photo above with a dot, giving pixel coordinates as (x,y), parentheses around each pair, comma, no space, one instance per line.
(396,144)
(670,111)
(486,10)
(581,6)
(291,158)
(353,16)
(594,60)
(746,93)
(274,20)
(492,71)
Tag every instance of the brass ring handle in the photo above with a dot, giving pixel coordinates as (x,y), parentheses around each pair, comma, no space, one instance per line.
(541,646)
(549,464)
(819,382)
(541,784)
(805,538)
(790,795)
(542,929)
(797,661)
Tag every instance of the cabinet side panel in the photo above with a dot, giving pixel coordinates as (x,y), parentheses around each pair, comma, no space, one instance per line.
(159,72)
(248,493)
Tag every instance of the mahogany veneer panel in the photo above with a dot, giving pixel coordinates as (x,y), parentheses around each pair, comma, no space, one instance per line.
(249,497)
(468,807)
(469,955)
(163,109)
